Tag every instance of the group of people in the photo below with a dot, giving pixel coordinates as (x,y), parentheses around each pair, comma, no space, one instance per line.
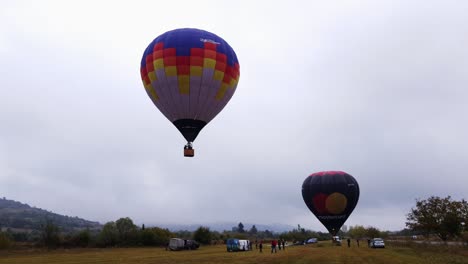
(274,244)
(349,242)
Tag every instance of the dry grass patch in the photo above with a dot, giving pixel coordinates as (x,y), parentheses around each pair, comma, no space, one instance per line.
(217,254)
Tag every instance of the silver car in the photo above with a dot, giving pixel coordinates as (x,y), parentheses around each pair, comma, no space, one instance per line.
(377,243)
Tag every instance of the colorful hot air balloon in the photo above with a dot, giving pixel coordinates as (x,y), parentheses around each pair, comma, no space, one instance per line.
(331,196)
(190,75)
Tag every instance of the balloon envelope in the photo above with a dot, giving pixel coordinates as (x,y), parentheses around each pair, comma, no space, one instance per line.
(190,75)
(331,196)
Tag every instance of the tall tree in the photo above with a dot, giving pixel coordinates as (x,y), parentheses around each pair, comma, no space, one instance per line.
(202,235)
(50,234)
(253,230)
(240,228)
(373,232)
(127,231)
(440,216)
(109,234)
(83,238)
(357,231)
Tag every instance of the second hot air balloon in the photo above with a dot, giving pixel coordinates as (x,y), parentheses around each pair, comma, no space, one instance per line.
(331,196)
(190,75)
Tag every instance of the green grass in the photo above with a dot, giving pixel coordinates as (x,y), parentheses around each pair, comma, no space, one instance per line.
(217,254)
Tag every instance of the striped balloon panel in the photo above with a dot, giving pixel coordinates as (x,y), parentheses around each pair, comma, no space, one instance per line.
(189,74)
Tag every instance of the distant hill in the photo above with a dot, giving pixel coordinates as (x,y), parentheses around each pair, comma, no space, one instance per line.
(22,217)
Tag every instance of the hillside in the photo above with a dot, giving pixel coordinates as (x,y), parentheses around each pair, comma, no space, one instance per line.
(22,217)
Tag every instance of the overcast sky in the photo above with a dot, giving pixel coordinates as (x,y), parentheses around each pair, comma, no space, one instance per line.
(378,89)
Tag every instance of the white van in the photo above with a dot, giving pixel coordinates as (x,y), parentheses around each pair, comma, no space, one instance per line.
(244,245)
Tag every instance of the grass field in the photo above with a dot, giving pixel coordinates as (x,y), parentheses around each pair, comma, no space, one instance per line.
(322,253)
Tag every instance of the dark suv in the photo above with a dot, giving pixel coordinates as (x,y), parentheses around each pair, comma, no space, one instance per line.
(191,244)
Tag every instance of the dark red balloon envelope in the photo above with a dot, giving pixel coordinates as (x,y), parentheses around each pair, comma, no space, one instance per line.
(331,196)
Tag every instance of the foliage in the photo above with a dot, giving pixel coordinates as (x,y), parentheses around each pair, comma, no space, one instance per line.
(253,230)
(83,238)
(109,235)
(465,238)
(372,232)
(155,236)
(302,234)
(147,237)
(127,231)
(50,234)
(357,232)
(202,235)
(4,241)
(240,228)
(360,232)
(440,216)
(185,234)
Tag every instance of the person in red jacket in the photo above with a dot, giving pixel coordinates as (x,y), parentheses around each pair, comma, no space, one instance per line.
(273,245)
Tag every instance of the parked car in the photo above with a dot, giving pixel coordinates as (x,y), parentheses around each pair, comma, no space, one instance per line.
(312,240)
(299,243)
(191,244)
(336,240)
(377,243)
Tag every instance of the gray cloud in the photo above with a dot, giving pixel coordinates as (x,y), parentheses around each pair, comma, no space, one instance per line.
(374,89)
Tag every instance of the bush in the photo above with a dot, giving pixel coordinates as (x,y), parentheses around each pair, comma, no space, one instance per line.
(83,238)
(203,235)
(4,241)
(465,238)
(147,237)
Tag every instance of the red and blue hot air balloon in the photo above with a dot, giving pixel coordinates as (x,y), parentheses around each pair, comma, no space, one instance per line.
(190,75)
(331,196)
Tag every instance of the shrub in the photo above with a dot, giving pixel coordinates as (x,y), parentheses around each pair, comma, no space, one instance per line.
(4,241)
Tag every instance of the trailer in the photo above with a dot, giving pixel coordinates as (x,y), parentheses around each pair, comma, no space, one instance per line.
(176,244)
(181,244)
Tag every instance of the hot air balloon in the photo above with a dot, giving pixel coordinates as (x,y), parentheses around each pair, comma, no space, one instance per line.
(190,75)
(331,196)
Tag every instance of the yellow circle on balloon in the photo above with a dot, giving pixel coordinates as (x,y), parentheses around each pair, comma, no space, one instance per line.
(336,203)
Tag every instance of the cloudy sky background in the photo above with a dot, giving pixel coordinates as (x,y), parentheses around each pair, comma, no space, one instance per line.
(374,88)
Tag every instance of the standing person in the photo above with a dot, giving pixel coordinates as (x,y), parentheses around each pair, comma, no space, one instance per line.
(349,242)
(368,242)
(256,244)
(260,246)
(283,244)
(273,245)
(279,244)
(357,241)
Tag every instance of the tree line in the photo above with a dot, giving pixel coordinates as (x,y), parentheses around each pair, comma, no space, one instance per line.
(442,217)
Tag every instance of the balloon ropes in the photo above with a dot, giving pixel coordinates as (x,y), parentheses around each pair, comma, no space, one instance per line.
(331,196)
(190,75)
